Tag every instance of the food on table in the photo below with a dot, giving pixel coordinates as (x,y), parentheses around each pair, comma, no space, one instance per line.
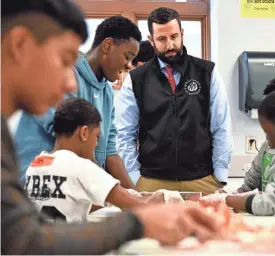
(239,236)
(191,196)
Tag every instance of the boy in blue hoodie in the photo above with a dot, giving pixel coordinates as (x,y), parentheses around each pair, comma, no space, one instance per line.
(115,45)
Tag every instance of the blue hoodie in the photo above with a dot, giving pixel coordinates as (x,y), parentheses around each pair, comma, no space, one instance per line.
(34,134)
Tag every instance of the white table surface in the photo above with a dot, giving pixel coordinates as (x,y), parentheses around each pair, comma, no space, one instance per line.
(251,219)
(141,246)
(259,220)
(145,247)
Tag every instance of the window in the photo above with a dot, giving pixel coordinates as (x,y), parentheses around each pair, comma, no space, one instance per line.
(194,15)
(92,25)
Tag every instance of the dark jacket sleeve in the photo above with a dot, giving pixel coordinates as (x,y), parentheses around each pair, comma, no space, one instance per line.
(25,231)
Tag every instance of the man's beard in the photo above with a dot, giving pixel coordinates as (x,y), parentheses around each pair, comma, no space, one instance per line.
(173,59)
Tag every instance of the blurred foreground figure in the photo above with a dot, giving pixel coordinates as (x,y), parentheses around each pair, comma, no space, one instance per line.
(40,41)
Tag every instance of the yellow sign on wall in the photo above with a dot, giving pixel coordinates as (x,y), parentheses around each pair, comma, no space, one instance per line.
(258,8)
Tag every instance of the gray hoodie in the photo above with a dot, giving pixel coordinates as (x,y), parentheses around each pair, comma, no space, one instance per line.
(261,173)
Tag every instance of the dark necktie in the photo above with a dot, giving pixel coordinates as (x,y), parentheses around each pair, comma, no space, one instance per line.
(170,77)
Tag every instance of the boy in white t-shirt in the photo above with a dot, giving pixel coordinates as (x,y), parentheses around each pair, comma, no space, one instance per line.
(66,183)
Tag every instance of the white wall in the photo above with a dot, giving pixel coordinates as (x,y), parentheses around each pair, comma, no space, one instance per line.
(230,36)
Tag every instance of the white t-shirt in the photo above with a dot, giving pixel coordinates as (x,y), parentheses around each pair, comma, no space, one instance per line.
(65,185)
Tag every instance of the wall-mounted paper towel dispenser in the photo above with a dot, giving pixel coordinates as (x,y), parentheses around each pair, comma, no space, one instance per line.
(256,69)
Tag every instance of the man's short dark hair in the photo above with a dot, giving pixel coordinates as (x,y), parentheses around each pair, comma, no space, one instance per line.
(162,15)
(64,12)
(270,87)
(118,28)
(73,113)
(146,52)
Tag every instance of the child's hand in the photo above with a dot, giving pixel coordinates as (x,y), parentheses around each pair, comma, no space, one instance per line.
(226,190)
(170,196)
(213,200)
(157,197)
(221,190)
(134,192)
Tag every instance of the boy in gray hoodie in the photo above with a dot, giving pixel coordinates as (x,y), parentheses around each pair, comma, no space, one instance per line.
(263,162)
(262,171)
